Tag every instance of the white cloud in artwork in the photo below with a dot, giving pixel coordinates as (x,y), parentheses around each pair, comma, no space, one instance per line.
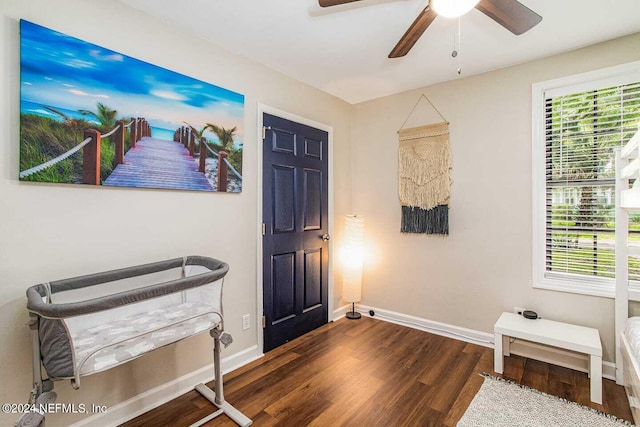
(79,63)
(83,93)
(109,57)
(165,94)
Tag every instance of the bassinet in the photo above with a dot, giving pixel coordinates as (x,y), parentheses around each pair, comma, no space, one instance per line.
(91,323)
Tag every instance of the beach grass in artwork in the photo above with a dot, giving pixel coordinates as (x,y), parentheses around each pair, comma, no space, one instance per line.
(89,115)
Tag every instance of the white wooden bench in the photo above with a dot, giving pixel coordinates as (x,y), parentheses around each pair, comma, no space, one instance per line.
(557,334)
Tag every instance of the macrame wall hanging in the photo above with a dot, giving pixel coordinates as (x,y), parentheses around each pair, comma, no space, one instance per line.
(424,165)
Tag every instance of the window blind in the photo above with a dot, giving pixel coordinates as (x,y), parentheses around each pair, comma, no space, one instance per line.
(581,132)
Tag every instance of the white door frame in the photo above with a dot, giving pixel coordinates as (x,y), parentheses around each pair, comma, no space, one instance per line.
(262,108)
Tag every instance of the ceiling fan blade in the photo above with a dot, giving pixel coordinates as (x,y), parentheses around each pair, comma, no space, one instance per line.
(328,3)
(413,33)
(511,14)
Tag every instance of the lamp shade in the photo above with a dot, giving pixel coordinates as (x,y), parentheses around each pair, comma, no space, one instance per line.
(352,258)
(453,8)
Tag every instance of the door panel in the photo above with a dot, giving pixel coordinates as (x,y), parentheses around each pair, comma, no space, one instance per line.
(312,278)
(295,213)
(312,200)
(313,148)
(284,273)
(284,199)
(283,141)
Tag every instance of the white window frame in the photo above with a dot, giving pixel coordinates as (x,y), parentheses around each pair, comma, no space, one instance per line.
(612,76)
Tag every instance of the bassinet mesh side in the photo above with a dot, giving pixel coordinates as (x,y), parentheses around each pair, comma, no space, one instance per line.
(217,270)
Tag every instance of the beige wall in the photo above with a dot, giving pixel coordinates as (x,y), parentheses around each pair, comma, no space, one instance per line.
(50,232)
(484,266)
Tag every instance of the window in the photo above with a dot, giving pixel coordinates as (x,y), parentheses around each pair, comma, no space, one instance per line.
(578,123)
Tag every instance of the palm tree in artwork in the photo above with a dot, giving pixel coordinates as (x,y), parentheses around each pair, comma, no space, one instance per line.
(104,115)
(75,125)
(224,135)
(199,133)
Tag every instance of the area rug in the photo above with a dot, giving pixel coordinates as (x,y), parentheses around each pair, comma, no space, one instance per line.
(504,403)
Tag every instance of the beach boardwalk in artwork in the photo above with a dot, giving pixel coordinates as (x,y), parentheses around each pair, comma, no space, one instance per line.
(89,115)
(158,163)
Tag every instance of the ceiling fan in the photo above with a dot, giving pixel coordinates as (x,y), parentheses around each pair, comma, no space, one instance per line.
(511,14)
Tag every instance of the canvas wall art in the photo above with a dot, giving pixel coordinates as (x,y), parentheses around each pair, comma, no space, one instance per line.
(89,115)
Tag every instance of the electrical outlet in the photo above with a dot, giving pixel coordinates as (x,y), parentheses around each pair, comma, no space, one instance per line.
(519,310)
(246,322)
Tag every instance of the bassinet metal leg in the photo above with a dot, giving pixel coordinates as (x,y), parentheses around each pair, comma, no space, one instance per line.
(217,397)
(41,393)
(35,358)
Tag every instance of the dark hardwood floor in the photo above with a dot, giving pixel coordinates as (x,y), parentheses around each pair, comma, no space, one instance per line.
(373,373)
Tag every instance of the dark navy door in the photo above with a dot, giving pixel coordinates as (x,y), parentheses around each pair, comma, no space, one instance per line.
(295,241)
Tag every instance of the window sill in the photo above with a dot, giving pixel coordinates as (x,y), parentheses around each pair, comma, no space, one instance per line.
(602,290)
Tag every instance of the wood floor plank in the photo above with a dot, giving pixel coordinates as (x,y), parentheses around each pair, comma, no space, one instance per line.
(561,374)
(470,387)
(258,372)
(615,400)
(450,385)
(312,388)
(348,398)
(536,374)
(514,368)
(277,384)
(416,399)
(373,373)
(305,414)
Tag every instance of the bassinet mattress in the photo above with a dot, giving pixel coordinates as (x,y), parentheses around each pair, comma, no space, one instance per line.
(632,334)
(104,346)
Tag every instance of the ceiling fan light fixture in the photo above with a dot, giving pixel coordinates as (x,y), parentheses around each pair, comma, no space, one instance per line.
(453,8)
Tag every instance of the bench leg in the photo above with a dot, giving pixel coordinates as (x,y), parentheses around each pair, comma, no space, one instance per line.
(595,370)
(497,353)
(506,345)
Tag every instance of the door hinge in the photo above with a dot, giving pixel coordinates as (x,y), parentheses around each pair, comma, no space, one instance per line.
(264,322)
(264,229)
(264,131)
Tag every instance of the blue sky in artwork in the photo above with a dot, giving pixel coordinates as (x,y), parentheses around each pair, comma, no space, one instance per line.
(64,72)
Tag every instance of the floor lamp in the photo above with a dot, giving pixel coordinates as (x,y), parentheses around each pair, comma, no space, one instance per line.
(352,273)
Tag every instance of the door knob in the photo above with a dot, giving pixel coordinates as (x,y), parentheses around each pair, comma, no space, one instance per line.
(325,237)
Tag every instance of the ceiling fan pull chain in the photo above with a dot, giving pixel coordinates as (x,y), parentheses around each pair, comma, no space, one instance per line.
(454,52)
(459,45)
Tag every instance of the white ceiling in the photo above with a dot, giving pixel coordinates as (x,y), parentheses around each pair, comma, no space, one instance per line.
(343,50)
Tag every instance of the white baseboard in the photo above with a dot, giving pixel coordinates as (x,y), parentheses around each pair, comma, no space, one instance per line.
(340,312)
(240,359)
(463,334)
(609,370)
(555,356)
(144,402)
